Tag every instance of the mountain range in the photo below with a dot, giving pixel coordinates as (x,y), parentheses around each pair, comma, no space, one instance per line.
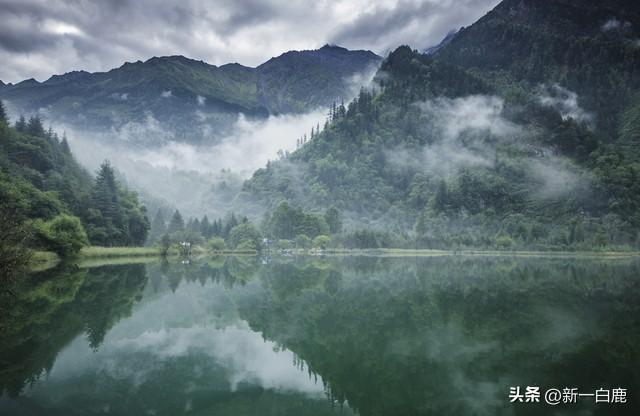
(183,94)
(523,128)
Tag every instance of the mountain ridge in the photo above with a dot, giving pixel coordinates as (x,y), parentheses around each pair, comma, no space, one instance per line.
(178,90)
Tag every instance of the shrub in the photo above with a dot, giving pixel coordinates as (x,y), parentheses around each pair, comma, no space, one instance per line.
(322,242)
(504,242)
(246,245)
(165,245)
(216,244)
(245,232)
(302,241)
(63,234)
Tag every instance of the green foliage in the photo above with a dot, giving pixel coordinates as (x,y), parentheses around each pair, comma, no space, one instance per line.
(504,242)
(165,245)
(64,234)
(245,234)
(40,179)
(247,245)
(114,216)
(216,244)
(188,236)
(14,251)
(176,224)
(302,241)
(322,242)
(4,119)
(334,220)
(287,222)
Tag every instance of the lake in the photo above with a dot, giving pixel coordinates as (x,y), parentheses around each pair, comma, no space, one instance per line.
(448,335)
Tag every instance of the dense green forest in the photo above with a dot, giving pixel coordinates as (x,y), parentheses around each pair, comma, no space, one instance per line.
(52,202)
(508,136)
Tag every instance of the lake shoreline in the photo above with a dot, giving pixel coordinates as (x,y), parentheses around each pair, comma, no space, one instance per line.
(43,260)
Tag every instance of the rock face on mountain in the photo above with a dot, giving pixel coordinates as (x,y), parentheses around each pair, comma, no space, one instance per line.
(524,125)
(182,94)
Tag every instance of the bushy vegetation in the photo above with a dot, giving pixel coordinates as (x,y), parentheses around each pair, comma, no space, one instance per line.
(56,200)
(63,234)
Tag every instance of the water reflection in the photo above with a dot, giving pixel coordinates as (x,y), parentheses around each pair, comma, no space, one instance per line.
(371,336)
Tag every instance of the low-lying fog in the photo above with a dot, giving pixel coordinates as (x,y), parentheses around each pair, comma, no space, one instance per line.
(197,179)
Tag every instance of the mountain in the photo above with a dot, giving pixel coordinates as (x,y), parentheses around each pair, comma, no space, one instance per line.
(444,42)
(522,131)
(182,93)
(588,46)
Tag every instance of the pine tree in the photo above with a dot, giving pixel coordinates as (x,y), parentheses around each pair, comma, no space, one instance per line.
(21,124)
(64,144)
(441,199)
(195,226)
(205,227)
(4,119)
(105,192)
(333,219)
(158,227)
(176,224)
(35,127)
(232,222)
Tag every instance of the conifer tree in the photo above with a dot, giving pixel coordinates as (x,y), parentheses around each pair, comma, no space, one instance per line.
(105,193)
(35,127)
(64,144)
(158,227)
(21,124)
(4,119)
(205,227)
(176,224)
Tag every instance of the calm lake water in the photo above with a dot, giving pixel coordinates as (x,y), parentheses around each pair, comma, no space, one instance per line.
(311,336)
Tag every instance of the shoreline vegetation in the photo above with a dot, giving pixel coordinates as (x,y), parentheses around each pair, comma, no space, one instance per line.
(95,255)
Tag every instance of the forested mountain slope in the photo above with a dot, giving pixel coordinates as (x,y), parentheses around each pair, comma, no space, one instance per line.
(521,130)
(182,94)
(42,185)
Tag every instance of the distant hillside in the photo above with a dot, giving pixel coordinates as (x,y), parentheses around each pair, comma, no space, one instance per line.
(522,130)
(185,95)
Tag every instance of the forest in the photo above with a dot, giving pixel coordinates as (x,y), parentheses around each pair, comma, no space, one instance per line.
(49,202)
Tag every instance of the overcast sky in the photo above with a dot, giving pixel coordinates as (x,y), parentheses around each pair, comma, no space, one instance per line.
(39,38)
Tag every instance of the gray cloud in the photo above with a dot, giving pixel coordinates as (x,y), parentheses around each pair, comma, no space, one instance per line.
(39,38)
(417,23)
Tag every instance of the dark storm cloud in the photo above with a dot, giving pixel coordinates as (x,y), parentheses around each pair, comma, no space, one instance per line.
(419,24)
(39,38)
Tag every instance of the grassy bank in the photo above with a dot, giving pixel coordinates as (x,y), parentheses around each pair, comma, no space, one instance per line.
(108,252)
(90,256)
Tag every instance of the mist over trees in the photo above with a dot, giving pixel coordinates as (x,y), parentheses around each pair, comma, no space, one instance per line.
(439,156)
(49,193)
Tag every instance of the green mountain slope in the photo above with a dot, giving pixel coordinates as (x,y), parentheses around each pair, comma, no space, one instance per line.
(40,181)
(501,137)
(183,94)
